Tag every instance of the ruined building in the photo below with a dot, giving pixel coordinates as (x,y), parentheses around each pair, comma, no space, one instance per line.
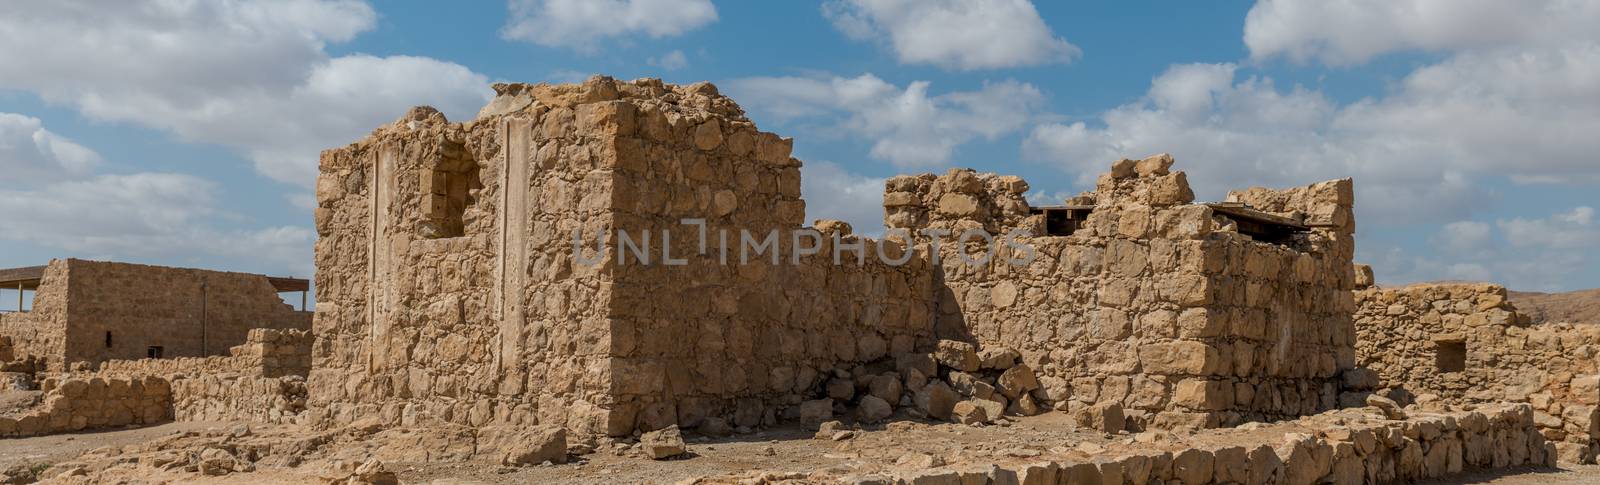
(92,311)
(449,289)
(1465,344)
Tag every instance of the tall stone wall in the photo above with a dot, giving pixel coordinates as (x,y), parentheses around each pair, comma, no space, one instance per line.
(1155,304)
(42,333)
(120,310)
(93,311)
(468,305)
(1464,343)
(717,336)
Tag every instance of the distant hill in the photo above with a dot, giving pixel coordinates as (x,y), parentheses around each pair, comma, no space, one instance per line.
(1582,306)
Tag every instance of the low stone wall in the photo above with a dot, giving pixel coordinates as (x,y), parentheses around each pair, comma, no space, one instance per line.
(277,400)
(266,352)
(1464,343)
(1356,451)
(83,403)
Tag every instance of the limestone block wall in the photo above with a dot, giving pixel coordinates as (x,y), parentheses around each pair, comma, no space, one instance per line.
(1360,450)
(230,397)
(120,310)
(449,289)
(41,333)
(265,353)
(1464,343)
(1155,303)
(727,338)
(82,403)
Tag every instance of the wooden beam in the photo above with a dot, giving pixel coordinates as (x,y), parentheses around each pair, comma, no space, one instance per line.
(284,285)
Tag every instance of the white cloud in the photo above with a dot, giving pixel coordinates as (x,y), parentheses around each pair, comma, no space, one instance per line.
(1539,254)
(1354,31)
(954,34)
(1573,230)
(148,216)
(30,153)
(1417,154)
(582,24)
(251,75)
(908,127)
(832,192)
(672,61)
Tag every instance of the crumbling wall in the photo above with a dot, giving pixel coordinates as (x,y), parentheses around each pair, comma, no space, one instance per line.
(82,403)
(1464,343)
(121,310)
(41,333)
(265,353)
(501,322)
(718,337)
(1357,450)
(1155,304)
(239,397)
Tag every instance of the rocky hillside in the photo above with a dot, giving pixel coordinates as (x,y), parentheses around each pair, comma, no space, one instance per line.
(1582,306)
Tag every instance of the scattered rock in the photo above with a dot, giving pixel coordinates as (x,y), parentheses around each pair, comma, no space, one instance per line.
(872,409)
(997,358)
(956,355)
(663,443)
(532,446)
(1390,408)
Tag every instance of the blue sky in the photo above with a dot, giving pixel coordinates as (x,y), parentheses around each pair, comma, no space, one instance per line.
(186,133)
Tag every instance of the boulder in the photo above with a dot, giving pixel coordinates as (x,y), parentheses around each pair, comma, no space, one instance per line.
(1016,381)
(813,413)
(871,409)
(936,400)
(997,358)
(528,446)
(956,355)
(663,443)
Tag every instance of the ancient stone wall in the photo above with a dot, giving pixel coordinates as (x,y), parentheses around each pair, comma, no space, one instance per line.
(1155,303)
(93,311)
(717,336)
(41,333)
(121,311)
(1464,343)
(265,353)
(500,322)
(82,403)
(417,320)
(231,397)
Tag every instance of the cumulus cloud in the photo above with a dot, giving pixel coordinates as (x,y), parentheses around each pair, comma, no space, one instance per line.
(832,192)
(671,61)
(953,34)
(1351,32)
(583,24)
(248,74)
(163,217)
(148,217)
(907,126)
(30,153)
(1418,153)
(1539,253)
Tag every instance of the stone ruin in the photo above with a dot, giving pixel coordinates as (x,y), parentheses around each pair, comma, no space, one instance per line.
(1457,344)
(449,291)
(576,260)
(88,312)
